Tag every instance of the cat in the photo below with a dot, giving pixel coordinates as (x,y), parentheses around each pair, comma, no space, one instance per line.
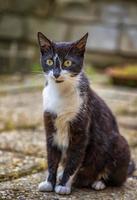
(81,131)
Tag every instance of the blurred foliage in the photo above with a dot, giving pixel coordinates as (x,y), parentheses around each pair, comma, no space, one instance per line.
(128,71)
(124,75)
(36,69)
(89,70)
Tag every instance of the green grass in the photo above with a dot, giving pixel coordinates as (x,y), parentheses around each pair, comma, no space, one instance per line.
(90,70)
(36,68)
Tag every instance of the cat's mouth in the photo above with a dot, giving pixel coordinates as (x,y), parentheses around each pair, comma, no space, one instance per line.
(59,81)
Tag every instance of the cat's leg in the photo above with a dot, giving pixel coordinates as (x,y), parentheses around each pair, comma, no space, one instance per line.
(61,168)
(53,160)
(53,154)
(74,158)
(45,186)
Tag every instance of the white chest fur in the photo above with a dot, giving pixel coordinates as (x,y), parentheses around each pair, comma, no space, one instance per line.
(64,100)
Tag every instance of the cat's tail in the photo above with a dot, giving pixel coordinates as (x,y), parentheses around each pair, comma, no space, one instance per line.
(131,167)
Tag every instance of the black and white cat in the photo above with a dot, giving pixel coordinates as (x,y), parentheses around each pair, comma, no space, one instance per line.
(81,131)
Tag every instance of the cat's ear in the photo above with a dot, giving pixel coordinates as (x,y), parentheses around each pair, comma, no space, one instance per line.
(44,42)
(78,47)
(81,44)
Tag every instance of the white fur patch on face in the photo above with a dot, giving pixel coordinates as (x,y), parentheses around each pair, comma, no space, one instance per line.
(57,57)
(50,74)
(64,100)
(98,185)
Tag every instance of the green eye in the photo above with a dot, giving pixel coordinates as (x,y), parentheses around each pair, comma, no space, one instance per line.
(67,63)
(49,62)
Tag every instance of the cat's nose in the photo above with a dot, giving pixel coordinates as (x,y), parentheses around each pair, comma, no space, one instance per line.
(56,74)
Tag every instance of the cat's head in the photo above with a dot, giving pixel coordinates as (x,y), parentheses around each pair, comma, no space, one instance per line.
(61,60)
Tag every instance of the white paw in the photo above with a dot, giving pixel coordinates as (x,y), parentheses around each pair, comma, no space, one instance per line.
(98,185)
(62,189)
(59,176)
(45,187)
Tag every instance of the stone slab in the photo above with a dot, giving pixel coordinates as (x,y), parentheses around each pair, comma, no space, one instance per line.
(14,165)
(128,122)
(129,41)
(27,188)
(130,110)
(26,142)
(130,135)
(117,93)
(25,111)
(101,37)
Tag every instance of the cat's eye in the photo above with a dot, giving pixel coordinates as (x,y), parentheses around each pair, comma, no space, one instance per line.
(49,62)
(67,63)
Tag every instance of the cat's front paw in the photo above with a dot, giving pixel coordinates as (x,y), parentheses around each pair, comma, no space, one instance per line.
(59,189)
(45,187)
